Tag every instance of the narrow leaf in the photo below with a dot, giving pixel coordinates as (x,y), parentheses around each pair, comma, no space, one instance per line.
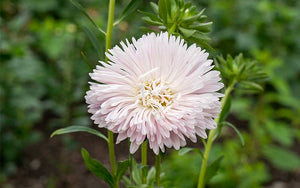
(86,60)
(136,173)
(186,32)
(237,132)
(132,6)
(95,42)
(212,169)
(151,16)
(154,7)
(183,151)
(193,18)
(163,10)
(96,168)
(83,11)
(73,129)
(225,110)
(122,168)
(250,86)
(151,22)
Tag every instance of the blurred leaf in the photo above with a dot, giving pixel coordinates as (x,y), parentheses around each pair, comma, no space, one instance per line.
(132,6)
(151,176)
(95,42)
(97,168)
(73,129)
(163,10)
(236,130)
(186,150)
(87,61)
(282,158)
(136,173)
(150,21)
(83,11)
(225,110)
(122,168)
(212,169)
(187,32)
(154,7)
(250,86)
(281,132)
(183,151)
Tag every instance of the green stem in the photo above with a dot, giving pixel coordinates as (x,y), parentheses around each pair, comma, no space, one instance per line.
(109,29)
(112,156)
(144,161)
(110,25)
(172,29)
(157,168)
(210,140)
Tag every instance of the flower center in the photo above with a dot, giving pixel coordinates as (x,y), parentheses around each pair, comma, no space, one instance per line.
(155,94)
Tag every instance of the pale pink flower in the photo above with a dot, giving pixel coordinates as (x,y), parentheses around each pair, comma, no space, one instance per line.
(155,88)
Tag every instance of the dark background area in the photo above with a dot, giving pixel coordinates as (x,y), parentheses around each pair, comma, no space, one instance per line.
(43,80)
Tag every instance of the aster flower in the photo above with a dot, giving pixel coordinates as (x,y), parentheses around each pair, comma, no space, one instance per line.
(155,88)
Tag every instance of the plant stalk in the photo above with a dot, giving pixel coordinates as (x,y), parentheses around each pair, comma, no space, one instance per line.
(144,161)
(157,169)
(109,29)
(210,140)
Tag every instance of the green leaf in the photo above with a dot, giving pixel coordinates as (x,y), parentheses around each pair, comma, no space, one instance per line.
(250,86)
(132,6)
(151,176)
(97,168)
(225,110)
(86,60)
(154,7)
(193,18)
(187,32)
(75,128)
(151,16)
(237,132)
(83,11)
(136,173)
(202,27)
(122,168)
(282,158)
(212,169)
(95,42)
(151,22)
(163,10)
(183,151)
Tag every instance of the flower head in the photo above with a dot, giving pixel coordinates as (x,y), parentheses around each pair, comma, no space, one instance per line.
(155,88)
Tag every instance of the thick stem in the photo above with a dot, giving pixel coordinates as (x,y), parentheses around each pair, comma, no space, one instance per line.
(110,23)
(210,141)
(157,168)
(144,161)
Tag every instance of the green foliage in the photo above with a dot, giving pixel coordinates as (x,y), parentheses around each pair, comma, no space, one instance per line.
(132,6)
(74,128)
(121,169)
(97,168)
(282,158)
(136,180)
(83,11)
(236,130)
(246,73)
(212,169)
(181,19)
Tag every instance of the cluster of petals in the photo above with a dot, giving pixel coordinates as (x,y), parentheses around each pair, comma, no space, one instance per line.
(155,88)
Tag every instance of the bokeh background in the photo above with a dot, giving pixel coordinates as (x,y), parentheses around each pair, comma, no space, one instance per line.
(43,80)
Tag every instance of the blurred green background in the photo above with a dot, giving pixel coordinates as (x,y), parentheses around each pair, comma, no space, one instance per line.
(43,80)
